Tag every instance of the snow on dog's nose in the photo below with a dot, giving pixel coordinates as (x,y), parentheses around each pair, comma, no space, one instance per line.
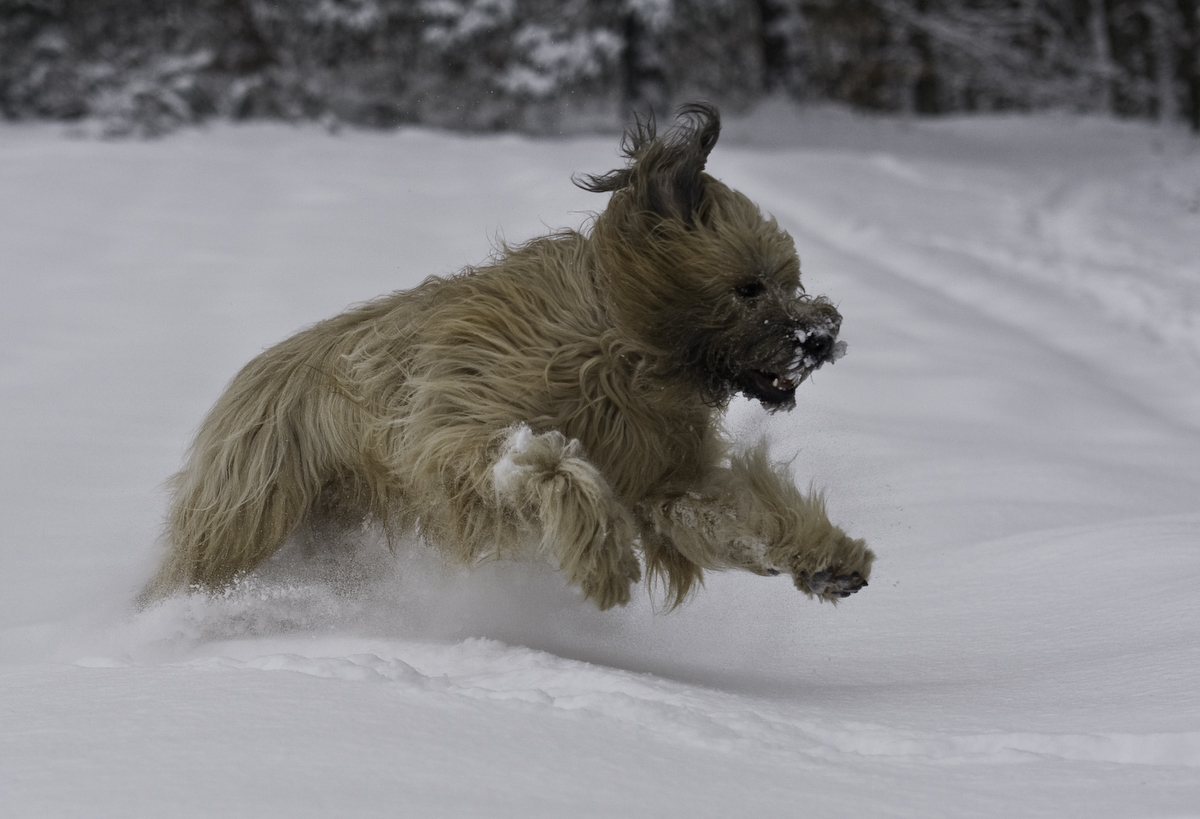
(815,346)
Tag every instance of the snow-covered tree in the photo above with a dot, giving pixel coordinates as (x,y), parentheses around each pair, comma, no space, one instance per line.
(145,66)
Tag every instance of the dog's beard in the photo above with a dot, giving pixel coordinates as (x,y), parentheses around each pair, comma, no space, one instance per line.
(773,383)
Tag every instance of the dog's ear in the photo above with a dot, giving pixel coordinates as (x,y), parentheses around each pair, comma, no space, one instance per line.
(637,140)
(665,174)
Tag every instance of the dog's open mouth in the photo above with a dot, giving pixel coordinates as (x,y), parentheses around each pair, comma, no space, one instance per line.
(768,387)
(777,390)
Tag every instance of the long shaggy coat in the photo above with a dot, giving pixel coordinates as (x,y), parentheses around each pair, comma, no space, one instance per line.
(565,397)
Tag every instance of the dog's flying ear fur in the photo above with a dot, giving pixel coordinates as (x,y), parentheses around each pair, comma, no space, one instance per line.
(665,174)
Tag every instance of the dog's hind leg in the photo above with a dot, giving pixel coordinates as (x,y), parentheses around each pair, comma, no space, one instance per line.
(253,474)
(546,480)
(751,516)
(230,512)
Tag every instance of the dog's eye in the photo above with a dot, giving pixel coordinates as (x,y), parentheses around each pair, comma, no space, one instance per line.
(750,290)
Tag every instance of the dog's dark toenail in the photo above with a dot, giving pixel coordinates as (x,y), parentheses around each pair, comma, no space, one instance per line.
(853,582)
(772,572)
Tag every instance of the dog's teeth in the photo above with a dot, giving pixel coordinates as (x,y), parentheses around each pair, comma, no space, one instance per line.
(775,383)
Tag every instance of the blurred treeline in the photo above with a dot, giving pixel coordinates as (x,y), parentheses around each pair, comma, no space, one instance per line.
(146,66)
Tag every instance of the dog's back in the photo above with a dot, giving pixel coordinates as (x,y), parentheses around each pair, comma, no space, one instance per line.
(360,415)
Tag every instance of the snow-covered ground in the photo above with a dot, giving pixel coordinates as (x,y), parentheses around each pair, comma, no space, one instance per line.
(1016,430)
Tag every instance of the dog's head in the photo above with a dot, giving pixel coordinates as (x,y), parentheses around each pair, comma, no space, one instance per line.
(695,272)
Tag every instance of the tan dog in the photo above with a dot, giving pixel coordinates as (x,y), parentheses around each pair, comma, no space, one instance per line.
(565,397)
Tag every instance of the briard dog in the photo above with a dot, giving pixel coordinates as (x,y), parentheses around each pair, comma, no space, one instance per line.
(565,398)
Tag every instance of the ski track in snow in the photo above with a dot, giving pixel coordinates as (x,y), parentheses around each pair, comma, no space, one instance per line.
(1016,429)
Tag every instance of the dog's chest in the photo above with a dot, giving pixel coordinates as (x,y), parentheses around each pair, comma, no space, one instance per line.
(645,447)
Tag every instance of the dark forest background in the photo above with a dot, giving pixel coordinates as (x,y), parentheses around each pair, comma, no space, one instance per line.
(147,66)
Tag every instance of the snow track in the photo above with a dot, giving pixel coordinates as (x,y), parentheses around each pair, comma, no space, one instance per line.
(1015,429)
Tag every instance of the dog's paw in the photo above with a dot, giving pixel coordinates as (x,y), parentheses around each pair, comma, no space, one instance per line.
(840,572)
(828,585)
(610,585)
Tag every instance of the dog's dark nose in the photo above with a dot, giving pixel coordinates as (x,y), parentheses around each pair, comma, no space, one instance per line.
(818,345)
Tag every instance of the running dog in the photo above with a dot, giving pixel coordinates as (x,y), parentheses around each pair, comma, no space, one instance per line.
(563,398)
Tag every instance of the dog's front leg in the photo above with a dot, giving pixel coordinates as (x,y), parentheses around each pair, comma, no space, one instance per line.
(751,516)
(546,480)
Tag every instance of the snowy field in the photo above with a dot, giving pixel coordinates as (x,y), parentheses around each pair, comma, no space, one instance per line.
(1015,430)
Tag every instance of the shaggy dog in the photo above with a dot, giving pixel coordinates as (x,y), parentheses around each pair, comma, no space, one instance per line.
(566,397)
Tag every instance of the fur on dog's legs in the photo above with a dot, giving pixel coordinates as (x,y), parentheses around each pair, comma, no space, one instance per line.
(247,485)
(215,540)
(548,483)
(750,516)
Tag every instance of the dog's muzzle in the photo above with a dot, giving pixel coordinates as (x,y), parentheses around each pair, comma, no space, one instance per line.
(812,346)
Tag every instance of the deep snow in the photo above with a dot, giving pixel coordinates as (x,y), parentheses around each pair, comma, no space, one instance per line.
(1015,429)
